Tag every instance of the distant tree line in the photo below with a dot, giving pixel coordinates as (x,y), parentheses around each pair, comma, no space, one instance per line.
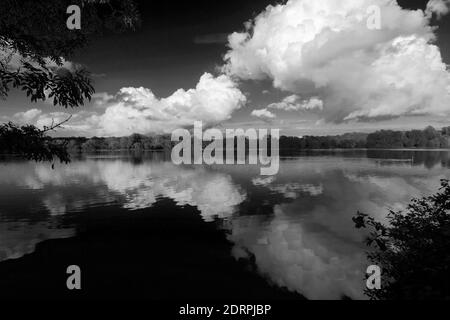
(135,142)
(428,138)
(346,141)
(384,139)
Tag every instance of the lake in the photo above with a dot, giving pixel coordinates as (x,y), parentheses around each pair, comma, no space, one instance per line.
(296,227)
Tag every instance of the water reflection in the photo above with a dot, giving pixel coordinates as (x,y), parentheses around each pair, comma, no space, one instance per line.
(98,182)
(296,226)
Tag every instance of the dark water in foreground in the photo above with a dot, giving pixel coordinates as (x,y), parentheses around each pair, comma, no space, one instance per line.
(296,226)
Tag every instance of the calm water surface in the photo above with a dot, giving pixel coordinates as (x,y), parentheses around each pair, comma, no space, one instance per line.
(296,226)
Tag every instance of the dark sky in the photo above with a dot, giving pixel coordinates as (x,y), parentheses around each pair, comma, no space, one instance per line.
(180,40)
(177,43)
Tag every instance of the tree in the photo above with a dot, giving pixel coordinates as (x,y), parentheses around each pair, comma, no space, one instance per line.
(413,249)
(34,142)
(36,44)
(112,143)
(124,143)
(385,139)
(94,144)
(446,131)
(430,133)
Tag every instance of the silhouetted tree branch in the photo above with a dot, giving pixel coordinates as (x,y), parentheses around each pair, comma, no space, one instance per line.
(412,249)
(35,45)
(33,143)
(68,89)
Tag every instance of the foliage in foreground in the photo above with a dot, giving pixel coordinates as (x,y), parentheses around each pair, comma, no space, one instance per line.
(35,50)
(32,143)
(413,250)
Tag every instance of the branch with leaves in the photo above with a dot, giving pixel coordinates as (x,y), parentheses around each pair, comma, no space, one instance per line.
(412,249)
(33,143)
(37,29)
(68,89)
(35,44)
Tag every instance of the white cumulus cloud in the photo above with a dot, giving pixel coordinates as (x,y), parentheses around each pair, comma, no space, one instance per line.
(138,110)
(263,114)
(27,116)
(324,47)
(294,103)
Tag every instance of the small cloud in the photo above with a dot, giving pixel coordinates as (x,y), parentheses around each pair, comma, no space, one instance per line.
(26,116)
(263,114)
(294,103)
(312,104)
(438,7)
(102,98)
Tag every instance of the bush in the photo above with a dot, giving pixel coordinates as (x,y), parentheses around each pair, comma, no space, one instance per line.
(413,250)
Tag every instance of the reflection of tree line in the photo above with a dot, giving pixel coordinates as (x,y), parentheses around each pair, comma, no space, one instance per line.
(429,159)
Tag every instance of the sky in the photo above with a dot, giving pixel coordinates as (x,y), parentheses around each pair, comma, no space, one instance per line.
(302,66)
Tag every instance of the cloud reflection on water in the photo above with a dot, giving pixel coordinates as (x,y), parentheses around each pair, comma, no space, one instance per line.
(304,238)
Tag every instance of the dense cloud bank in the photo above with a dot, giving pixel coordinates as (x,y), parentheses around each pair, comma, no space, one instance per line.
(325,48)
